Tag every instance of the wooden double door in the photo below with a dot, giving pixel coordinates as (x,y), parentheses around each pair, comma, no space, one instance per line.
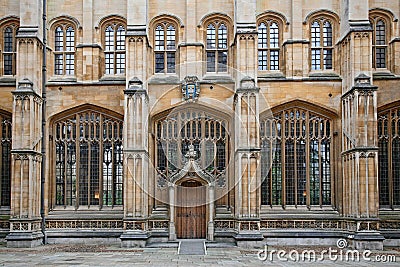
(191,210)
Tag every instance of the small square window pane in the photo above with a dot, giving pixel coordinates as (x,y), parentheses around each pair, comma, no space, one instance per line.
(274,60)
(381,57)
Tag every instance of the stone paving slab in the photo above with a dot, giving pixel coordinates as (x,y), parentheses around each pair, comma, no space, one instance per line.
(61,255)
(192,247)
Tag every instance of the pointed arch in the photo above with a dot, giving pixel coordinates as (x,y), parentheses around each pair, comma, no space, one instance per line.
(87,158)
(296,155)
(164,38)
(300,103)
(389,155)
(191,139)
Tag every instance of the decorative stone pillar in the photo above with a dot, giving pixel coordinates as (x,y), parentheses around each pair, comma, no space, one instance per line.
(360,164)
(25,220)
(247,154)
(136,165)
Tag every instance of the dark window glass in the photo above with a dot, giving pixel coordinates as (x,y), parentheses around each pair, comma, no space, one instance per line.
(389,158)
(98,172)
(194,131)
(64,54)
(9,51)
(306,161)
(165,48)
(5,160)
(217,47)
(268,46)
(321,45)
(114,46)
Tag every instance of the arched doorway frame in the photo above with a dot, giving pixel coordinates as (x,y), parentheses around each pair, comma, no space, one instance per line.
(202,176)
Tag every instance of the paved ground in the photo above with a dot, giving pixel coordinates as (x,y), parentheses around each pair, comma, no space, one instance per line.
(101,255)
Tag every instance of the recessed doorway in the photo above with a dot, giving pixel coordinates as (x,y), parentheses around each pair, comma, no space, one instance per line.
(191,210)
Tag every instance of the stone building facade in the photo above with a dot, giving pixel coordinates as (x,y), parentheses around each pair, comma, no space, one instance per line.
(241,121)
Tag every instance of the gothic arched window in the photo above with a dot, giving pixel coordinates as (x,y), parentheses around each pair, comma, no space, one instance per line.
(321,44)
(177,132)
(88,160)
(64,50)
(389,157)
(379,43)
(5,182)
(114,48)
(165,48)
(217,47)
(9,48)
(268,45)
(296,159)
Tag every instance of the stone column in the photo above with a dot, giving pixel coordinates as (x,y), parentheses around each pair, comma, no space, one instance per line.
(136,41)
(136,165)
(211,196)
(172,230)
(360,164)
(247,153)
(25,220)
(295,47)
(360,203)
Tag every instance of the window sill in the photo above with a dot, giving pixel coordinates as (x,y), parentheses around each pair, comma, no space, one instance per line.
(270,75)
(116,77)
(8,80)
(223,77)
(383,74)
(278,212)
(324,75)
(62,78)
(86,212)
(164,78)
